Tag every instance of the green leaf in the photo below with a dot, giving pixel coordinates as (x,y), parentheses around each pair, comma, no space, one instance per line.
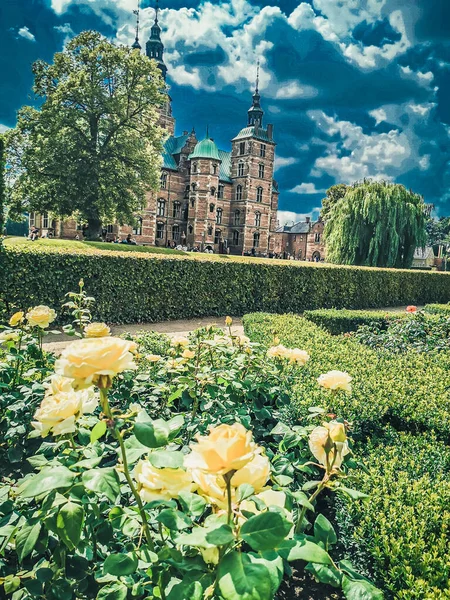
(49,479)
(353,494)
(324,532)
(302,549)
(325,574)
(26,539)
(69,524)
(240,579)
(134,449)
(266,530)
(152,434)
(113,591)
(360,590)
(104,482)
(244,491)
(167,459)
(273,563)
(120,564)
(196,538)
(192,503)
(11,584)
(302,499)
(220,536)
(186,591)
(173,519)
(175,425)
(98,431)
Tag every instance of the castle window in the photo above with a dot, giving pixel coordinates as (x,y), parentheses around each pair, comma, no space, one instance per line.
(190,228)
(163,181)
(194,187)
(110,229)
(175,232)
(210,230)
(219,214)
(212,191)
(212,207)
(220,192)
(242,148)
(194,167)
(259,194)
(237,217)
(159,230)
(240,169)
(214,169)
(239,192)
(317,238)
(257,219)
(32,220)
(261,171)
(256,240)
(192,202)
(137,229)
(185,212)
(262,150)
(235,238)
(45,220)
(161,207)
(217,236)
(176,210)
(186,192)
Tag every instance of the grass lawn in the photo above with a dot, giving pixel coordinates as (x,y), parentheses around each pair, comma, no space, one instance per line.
(75,245)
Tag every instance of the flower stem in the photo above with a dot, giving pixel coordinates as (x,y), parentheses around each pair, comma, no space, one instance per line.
(107,410)
(311,499)
(227,477)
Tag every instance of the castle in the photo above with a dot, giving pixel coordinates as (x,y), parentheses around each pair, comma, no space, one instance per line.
(209,198)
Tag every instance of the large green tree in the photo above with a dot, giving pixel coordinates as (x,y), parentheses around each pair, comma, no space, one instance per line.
(93,148)
(333,195)
(377,224)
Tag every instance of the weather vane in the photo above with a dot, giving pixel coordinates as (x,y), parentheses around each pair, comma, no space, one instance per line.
(257,76)
(136,12)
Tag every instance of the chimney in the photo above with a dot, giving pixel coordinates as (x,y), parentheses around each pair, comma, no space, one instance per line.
(308,219)
(270,131)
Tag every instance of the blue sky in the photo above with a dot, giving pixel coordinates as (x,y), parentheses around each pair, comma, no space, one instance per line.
(354,88)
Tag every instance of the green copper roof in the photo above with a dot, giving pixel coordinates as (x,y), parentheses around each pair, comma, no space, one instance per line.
(172,146)
(258,133)
(225,166)
(205,149)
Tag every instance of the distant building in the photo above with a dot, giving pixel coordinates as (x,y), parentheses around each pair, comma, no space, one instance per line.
(302,241)
(423,258)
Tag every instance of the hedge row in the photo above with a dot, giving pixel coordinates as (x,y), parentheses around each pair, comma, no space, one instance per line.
(132,288)
(438,309)
(400,534)
(337,321)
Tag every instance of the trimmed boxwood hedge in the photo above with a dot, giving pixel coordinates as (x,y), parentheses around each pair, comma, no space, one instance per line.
(337,321)
(133,288)
(438,309)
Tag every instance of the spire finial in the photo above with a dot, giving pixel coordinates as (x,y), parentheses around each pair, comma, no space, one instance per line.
(207,132)
(257,77)
(136,44)
(156,10)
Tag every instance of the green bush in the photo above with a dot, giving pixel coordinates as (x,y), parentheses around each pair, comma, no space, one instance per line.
(410,391)
(132,287)
(437,309)
(343,320)
(401,531)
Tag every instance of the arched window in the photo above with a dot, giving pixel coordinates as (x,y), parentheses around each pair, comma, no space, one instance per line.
(163,181)
(214,169)
(261,171)
(110,229)
(175,232)
(210,230)
(317,238)
(194,167)
(192,202)
(221,190)
(259,194)
(237,217)
(217,236)
(190,228)
(241,169)
(219,214)
(235,238)
(212,191)
(194,187)
(257,219)
(159,230)
(161,207)
(176,210)
(137,229)
(256,239)
(212,207)
(239,192)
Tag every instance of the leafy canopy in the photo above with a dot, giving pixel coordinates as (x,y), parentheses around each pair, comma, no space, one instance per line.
(377,224)
(93,148)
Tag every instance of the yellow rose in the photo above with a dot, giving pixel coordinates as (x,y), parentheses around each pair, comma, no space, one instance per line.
(277,351)
(255,473)
(210,555)
(96,330)
(152,357)
(58,384)
(16,318)
(329,440)
(226,448)
(335,380)
(212,487)
(242,340)
(179,340)
(161,484)
(9,336)
(85,361)
(228,321)
(295,355)
(41,316)
(59,412)
(188,354)
(270,498)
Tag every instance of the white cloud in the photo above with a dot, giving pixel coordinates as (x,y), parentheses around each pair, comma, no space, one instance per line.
(3,128)
(287,216)
(422,109)
(293,89)
(281,162)
(379,114)
(424,162)
(26,34)
(66,30)
(306,188)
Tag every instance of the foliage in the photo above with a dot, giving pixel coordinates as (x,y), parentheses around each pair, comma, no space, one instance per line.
(437,309)
(438,231)
(333,195)
(377,224)
(93,148)
(401,530)
(133,287)
(2,184)
(343,321)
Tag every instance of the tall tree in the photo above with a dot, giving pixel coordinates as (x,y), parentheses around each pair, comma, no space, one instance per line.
(378,224)
(333,195)
(93,149)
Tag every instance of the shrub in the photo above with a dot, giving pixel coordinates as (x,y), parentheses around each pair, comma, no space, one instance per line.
(437,309)
(131,287)
(343,321)
(400,532)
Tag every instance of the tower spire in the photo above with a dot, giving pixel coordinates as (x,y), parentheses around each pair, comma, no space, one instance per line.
(137,45)
(255,112)
(154,46)
(156,11)
(257,77)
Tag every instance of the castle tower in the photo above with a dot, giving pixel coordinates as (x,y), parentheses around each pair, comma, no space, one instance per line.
(136,45)
(254,199)
(206,214)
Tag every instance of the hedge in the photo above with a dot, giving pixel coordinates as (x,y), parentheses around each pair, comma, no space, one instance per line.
(438,309)
(132,287)
(343,321)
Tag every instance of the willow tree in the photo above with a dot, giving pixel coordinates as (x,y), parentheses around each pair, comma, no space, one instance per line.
(93,147)
(378,224)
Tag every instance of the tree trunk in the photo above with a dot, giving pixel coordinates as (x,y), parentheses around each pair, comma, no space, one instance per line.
(94,229)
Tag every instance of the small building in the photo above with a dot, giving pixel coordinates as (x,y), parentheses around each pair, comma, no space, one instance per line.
(301,241)
(423,258)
